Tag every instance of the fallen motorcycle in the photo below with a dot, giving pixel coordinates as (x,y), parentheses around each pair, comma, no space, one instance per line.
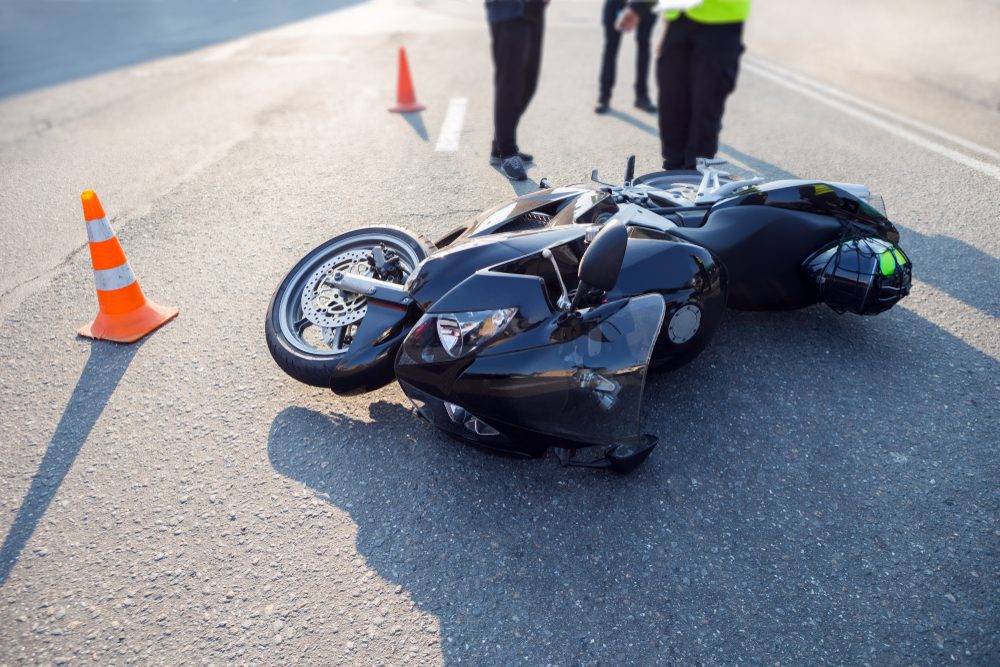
(534,325)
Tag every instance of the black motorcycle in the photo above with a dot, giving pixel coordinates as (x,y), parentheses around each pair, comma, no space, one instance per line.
(534,325)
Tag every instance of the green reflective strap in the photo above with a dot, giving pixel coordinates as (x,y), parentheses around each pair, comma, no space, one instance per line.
(890,260)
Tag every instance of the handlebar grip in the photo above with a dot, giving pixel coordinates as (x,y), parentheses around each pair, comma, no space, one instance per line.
(629,169)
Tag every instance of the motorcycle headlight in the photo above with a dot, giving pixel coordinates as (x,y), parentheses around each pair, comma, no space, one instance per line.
(462,333)
(445,337)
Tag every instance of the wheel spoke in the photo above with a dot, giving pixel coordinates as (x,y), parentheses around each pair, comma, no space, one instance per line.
(300,325)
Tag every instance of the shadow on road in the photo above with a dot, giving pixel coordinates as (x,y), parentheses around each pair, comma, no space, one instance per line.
(635,122)
(104,370)
(416,121)
(787,515)
(48,42)
(525,187)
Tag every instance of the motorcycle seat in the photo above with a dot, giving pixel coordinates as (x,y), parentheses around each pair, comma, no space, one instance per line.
(692,218)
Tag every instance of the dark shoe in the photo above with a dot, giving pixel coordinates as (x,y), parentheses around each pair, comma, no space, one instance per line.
(513,168)
(525,157)
(602,108)
(646,105)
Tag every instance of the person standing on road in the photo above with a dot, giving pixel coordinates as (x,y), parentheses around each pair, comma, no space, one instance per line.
(613,10)
(696,71)
(516,30)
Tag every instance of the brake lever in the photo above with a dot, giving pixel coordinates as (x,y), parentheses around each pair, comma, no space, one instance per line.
(563,303)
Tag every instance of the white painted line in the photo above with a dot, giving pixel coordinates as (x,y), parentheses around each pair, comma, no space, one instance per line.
(451,127)
(857,101)
(866,111)
(976,328)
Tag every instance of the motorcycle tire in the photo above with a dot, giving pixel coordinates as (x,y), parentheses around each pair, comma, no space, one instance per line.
(302,346)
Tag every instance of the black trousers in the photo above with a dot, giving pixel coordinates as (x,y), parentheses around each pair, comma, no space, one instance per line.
(517,58)
(612,39)
(696,71)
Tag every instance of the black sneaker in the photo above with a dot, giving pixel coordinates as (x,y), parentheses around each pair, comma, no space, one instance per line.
(513,168)
(602,108)
(525,157)
(646,105)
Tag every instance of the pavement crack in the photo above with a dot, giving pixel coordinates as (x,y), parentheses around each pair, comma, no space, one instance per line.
(21,289)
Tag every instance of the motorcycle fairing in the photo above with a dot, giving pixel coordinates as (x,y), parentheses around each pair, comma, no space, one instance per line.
(573,380)
(441,272)
(837,200)
(552,207)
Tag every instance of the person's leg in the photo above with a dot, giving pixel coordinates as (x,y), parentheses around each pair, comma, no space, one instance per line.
(716,60)
(612,39)
(532,54)
(643,33)
(510,42)
(673,77)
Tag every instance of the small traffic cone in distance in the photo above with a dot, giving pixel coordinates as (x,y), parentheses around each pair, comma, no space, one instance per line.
(124,313)
(406,97)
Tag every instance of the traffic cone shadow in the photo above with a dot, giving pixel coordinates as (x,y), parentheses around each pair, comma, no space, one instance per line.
(100,377)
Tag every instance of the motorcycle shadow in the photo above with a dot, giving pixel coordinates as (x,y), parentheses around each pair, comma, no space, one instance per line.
(779,472)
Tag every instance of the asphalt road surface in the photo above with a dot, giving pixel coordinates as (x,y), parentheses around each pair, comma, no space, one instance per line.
(826,490)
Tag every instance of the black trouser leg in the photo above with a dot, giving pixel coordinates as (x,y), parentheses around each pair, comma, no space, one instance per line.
(533,61)
(696,72)
(716,61)
(673,77)
(517,59)
(510,46)
(647,21)
(612,39)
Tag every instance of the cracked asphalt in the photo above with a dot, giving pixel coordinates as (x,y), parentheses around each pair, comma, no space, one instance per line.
(825,491)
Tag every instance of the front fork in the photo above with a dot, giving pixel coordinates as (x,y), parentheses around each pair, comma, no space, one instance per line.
(369,362)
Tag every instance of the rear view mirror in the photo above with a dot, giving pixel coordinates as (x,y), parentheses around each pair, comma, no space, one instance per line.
(602,261)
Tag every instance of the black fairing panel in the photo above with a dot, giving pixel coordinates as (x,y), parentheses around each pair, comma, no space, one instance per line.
(378,337)
(442,271)
(515,216)
(813,197)
(486,291)
(568,381)
(683,274)
(664,265)
(762,248)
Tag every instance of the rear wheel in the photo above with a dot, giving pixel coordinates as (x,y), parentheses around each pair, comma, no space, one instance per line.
(310,324)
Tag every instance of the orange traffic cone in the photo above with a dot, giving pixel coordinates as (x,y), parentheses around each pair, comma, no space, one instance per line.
(406,98)
(125,314)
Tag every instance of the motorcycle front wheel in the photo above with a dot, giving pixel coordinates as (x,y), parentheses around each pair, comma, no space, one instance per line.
(310,324)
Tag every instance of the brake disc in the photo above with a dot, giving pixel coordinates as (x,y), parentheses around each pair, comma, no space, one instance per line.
(327,306)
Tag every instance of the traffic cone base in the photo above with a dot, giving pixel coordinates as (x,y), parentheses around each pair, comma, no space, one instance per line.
(407,108)
(124,313)
(129,327)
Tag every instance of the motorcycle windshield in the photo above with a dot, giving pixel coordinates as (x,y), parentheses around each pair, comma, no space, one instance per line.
(585,384)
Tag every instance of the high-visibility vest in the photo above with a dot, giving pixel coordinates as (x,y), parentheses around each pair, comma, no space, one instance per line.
(715,11)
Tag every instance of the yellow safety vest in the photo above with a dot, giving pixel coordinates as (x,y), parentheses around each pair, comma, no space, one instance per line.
(716,11)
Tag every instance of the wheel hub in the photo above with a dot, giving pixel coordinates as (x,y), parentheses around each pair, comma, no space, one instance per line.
(329,307)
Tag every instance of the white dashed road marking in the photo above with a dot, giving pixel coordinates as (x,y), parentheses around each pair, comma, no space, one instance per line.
(876,116)
(451,127)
